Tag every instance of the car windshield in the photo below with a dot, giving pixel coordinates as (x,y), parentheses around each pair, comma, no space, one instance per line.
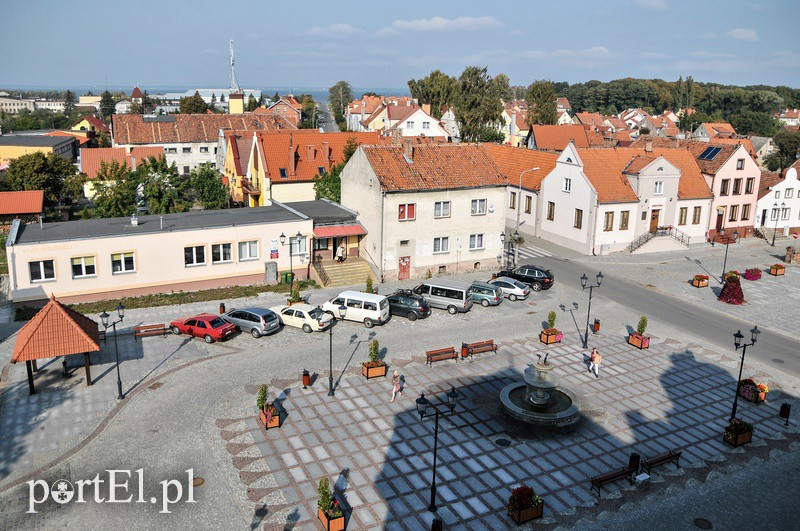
(316,313)
(216,322)
(518,284)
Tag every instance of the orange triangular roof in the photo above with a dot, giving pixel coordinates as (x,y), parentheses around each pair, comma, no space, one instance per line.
(56,331)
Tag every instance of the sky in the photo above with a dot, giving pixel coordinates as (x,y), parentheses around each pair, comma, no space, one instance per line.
(313,44)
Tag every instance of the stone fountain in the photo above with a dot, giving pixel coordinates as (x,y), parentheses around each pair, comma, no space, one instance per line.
(539,399)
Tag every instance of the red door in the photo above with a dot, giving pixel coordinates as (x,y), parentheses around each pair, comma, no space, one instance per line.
(405,268)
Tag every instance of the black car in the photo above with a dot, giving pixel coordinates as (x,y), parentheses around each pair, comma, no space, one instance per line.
(538,278)
(406,303)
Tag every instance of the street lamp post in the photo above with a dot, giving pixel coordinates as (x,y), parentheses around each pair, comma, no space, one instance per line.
(725,261)
(426,409)
(584,281)
(291,271)
(737,342)
(104,318)
(342,312)
(519,207)
(777,217)
(505,251)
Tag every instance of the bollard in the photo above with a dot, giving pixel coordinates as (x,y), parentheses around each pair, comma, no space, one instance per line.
(596,326)
(306,379)
(786,410)
(633,462)
(221,307)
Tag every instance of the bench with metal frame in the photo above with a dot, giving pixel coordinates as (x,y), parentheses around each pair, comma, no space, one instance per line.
(622,473)
(150,330)
(468,349)
(667,457)
(448,353)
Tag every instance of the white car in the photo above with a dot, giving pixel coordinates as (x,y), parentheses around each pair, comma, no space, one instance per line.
(513,289)
(309,318)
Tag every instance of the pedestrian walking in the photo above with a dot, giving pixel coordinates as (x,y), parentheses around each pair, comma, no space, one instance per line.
(397,386)
(594,362)
(340,253)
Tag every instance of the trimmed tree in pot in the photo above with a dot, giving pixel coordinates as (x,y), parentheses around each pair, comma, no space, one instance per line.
(269,414)
(375,367)
(738,433)
(524,505)
(638,339)
(551,334)
(328,510)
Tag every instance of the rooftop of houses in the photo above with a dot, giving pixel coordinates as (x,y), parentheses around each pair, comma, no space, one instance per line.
(563,103)
(241,146)
(368,104)
(513,161)
(711,156)
(557,137)
(82,140)
(24,202)
(719,128)
(96,122)
(179,128)
(590,118)
(323,211)
(136,93)
(35,140)
(92,158)
(790,113)
(768,180)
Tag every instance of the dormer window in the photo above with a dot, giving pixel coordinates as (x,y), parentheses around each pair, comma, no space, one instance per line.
(321,170)
(283,173)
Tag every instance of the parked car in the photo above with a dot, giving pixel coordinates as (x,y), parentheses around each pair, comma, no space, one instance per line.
(409,304)
(450,295)
(538,278)
(258,321)
(309,318)
(486,294)
(366,308)
(210,327)
(513,289)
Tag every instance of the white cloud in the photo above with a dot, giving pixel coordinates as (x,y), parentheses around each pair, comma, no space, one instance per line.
(743,34)
(595,52)
(705,54)
(653,55)
(441,24)
(334,30)
(652,4)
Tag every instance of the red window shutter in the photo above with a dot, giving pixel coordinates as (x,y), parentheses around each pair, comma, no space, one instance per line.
(411,211)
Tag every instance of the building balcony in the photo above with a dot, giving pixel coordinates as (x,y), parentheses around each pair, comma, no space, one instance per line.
(248,187)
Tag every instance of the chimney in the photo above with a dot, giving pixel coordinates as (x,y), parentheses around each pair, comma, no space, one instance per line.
(426,108)
(291,161)
(310,153)
(395,137)
(648,146)
(133,163)
(326,152)
(408,151)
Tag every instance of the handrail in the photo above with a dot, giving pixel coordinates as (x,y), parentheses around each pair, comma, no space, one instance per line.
(323,275)
(676,234)
(641,240)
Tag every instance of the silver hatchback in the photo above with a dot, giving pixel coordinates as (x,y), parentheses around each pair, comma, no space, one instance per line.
(256,321)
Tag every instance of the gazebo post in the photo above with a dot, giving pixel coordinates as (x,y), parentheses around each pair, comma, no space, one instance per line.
(88,369)
(35,367)
(30,378)
(65,374)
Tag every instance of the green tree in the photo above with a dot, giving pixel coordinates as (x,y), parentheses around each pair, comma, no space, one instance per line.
(541,100)
(437,88)
(252,104)
(37,171)
(106,105)
(329,184)
(788,144)
(148,105)
(115,191)
(69,102)
(163,188)
(478,105)
(308,112)
(208,187)
(192,105)
(339,97)
(754,123)
(276,97)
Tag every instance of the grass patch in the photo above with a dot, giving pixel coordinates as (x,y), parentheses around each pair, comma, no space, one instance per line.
(3,262)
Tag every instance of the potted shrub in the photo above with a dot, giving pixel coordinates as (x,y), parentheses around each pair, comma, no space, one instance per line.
(777,270)
(752,391)
(700,281)
(524,505)
(270,416)
(638,339)
(752,273)
(551,334)
(294,297)
(328,510)
(732,289)
(375,367)
(738,433)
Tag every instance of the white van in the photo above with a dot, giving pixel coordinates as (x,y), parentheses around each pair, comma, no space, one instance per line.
(362,307)
(446,294)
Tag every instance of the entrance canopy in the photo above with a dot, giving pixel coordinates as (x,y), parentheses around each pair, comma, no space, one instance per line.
(333,231)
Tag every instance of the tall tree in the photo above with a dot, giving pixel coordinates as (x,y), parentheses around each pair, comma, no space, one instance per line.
(69,102)
(107,107)
(339,97)
(252,104)
(192,105)
(115,190)
(148,105)
(308,112)
(37,171)
(541,100)
(754,123)
(437,88)
(163,188)
(788,144)
(478,103)
(329,184)
(208,187)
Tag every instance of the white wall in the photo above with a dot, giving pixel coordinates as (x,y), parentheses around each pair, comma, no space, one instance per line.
(361,192)
(582,195)
(527,221)
(785,192)
(418,119)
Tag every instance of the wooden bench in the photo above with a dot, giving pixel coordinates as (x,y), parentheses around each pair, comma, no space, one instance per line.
(468,349)
(149,330)
(599,481)
(662,459)
(448,353)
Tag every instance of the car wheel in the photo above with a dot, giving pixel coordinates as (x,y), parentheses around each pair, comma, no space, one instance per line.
(176,330)
(452,310)
(307,328)
(208,338)
(255,333)
(369,323)
(484,303)
(536,286)
(412,316)
(512,297)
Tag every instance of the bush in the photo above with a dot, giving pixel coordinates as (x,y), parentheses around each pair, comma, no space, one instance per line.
(263,396)
(295,296)
(640,329)
(326,503)
(752,274)
(428,274)
(522,498)
(369,284)
(551,319)
(732,290)
(374,351)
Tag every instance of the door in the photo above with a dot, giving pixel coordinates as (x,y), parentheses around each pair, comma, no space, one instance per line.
(355,310)
(720,219)
(654,215)
(763,217)
(405,268)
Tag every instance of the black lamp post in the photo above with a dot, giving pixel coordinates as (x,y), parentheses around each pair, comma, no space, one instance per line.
(584,280)
(342,312)
(104,318)
(727,243)
(291,269)
(516,248)
(505,251)
(426,409)
(737,342)
(777,217)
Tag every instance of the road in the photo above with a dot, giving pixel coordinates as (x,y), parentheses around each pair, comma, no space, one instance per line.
(325,119)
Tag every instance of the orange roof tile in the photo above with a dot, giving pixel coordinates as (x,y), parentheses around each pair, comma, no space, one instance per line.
(80,138)
(132,129)
(96,122)
(512,161)
(28,202)
(712,166)
(557,137)
(56,331)
(136,93)
(92,158)
(719,127)
(590,118)
(768,180)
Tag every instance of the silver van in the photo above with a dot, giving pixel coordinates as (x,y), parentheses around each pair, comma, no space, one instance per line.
(450,295)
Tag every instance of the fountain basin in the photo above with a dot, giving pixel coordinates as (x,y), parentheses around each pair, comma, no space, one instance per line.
(561,408)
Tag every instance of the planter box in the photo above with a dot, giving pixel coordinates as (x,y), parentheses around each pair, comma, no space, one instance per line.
(751,394)
(700,283)
(552,338)
(640,342)
(737,440)
(373,372)
(273,422)
(331,524)
(526,515)
(777,270)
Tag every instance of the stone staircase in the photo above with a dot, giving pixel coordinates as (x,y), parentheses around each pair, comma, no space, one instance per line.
(351,272)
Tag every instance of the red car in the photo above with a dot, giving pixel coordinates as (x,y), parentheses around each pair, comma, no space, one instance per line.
(210,327)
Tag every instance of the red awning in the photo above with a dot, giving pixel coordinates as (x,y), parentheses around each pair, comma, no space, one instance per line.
(331,231)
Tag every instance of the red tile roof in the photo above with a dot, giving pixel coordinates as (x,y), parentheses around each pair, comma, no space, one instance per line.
(56,331)
(564,103)
(590,118)
(28,202)
(768,180)
(369,103)
(331,231)
(80,138)
(91,158)
(617,123)
(132,129)
(398,113)
(711,167)
(136,93)
(716,128)
(241,143)
(512,161)
(557,137)
(98,124)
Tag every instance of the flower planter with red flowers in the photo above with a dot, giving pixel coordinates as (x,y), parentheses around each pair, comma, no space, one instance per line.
(700,281)
(373,369)
(777,270)
(738,433)
(639,341)
(329,511)
(551,335)
(752,274)
(524,505)
(335,523)
(753,392)
(270,417)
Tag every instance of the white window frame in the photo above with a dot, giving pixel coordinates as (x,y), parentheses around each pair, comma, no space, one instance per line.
(83,266)
(122,269)
(298,246)
(248,245)
(512,200)
(566,185)
(194,262)
(410,124)
(785,213)
(739,164)
(442,206)
(221,247)
(426,125)
(788,193)
(42,277)
(203,149)
(444,244)
(658,188)
(478,207)
(476,242)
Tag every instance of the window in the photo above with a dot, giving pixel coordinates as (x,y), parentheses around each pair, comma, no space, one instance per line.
(734,212)
(407,212)
(644,215)
(441,209)
(42,270)
(774,215)
(551,210)
(478,207)
(122,263)
(512,201)
(528,202)
(751,183)
(171,150)
(83,266)
(737,186)
(724,185)
(426,125)
(186,170)
(624,217)
(785,213)
(321,170)
(404,242)
(248,250)
(659,188)
(221,253)
(195,255)
(789,193)
(298,245)
(475,241)
(203,149)
(745,212)
(777,194)
(410,124)
(578,223)
(682,213)
(441,245)
(609,221)
(696,215)
(740,164)
(283,173)
(187,150)
(566,185)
